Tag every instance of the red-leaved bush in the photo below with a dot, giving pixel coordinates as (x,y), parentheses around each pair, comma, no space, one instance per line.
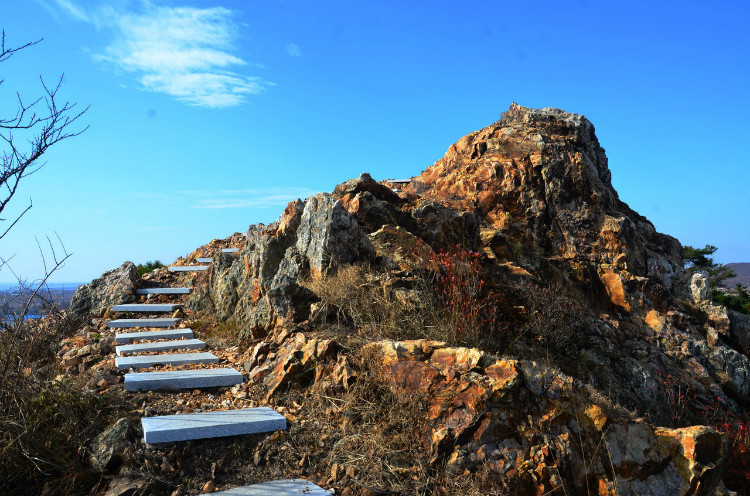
(470,312)
(686,408)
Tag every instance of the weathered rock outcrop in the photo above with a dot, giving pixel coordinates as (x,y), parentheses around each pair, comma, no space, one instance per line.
(532,192)
(524,423)
(262,287)
(112,288)
(539,179)
(534,425)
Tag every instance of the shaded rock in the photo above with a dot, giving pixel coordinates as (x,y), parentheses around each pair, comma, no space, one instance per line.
(444,228)
(365,183)
(112,288)
(296,360)
(108,447)
(740,331)
(396,248)
(665,461)
(372,213)
(128,486)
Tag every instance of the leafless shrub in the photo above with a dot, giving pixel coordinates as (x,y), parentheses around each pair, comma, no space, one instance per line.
(552,322)
(356,298)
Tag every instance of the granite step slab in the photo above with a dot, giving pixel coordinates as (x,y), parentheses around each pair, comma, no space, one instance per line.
(129,337)
(164,291)
(230,250)
(146,361)
(147,307)
(204,425)
(162,322)
(182,379)
(188,268)
(204,259)
(284,487)
(179,344)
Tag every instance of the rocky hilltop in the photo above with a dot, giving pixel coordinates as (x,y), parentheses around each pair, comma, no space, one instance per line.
(502,324)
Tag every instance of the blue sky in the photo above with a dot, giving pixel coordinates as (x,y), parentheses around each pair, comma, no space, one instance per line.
(207,116)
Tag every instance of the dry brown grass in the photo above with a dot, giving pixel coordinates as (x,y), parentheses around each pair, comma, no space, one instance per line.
(356,298)
(45,424)
(370,435)
(452,308)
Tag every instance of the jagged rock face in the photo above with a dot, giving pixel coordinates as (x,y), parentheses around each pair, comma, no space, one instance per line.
(541,180)
(328,235)
(533,425)
(525,423)
(263,285)
(112,288)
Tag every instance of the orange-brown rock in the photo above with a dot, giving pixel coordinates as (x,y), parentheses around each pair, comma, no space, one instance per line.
(295,358)
(541,430)
(540,179)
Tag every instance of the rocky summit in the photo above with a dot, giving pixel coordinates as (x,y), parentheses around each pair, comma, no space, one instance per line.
(501,324)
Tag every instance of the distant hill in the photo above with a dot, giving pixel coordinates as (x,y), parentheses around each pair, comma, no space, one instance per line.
(743,275)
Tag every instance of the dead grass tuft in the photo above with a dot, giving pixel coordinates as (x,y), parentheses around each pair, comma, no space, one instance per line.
(45,424)
(356,298)
(369,437)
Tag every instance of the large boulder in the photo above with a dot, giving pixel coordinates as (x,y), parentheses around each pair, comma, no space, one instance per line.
(262,286)
(112,288)
(329,236)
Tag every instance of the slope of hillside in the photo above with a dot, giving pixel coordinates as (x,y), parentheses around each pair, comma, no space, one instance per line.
(505,324)
(743,275)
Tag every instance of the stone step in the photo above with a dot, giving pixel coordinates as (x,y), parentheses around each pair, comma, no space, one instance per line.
(203,425)
(182,379)
(188,268)
(163,322)
(164,291)
(204,259)
(129,337)
(284,487)
(146,361)
(179,344)
(147,307)
(230,250)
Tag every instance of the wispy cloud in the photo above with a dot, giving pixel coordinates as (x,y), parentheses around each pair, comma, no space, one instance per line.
(71,9)
(238,198)
(293,50)
(188,53)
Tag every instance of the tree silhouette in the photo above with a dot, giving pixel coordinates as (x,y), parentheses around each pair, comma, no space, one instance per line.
(29,131)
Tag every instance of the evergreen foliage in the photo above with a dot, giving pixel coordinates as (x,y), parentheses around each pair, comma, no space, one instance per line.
(699,260)
(148,267)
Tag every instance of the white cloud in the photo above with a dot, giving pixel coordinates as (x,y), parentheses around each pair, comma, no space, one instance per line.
(188,53)
(238,198)
(293,50)
(71,9)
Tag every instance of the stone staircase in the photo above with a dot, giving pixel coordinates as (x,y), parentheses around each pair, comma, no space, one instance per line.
(151,341)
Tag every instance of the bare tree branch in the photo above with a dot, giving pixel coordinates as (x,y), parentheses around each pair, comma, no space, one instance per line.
(30,131)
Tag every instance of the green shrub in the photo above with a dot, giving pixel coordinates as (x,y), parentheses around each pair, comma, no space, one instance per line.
(148,267)
(737,300)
